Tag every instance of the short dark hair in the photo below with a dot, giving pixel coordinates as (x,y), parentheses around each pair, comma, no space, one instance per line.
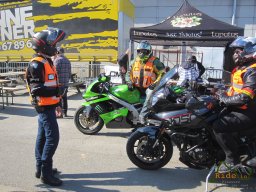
(193,58)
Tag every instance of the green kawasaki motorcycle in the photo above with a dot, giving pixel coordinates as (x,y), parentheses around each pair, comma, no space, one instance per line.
(115,106)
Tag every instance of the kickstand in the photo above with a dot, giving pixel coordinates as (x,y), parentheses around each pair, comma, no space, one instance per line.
(208,176)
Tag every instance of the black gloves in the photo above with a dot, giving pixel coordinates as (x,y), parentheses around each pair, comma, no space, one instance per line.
(152,86)
(235,100)
(130,86)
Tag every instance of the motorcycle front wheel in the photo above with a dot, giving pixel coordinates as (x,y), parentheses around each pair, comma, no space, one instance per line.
(140,151)
(87,125)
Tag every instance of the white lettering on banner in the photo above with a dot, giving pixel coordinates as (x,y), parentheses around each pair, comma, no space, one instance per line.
(148,34)
(194,35)
(185,34)
(171,34)
(225,35)
(16,25)
(189,15)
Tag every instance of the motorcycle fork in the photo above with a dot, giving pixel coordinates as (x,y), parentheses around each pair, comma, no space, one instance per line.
(159,135)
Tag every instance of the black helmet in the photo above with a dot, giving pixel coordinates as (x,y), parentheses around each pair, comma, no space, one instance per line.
(46,40)
(248,49)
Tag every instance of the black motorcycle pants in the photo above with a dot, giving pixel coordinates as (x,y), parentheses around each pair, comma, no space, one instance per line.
(231,122)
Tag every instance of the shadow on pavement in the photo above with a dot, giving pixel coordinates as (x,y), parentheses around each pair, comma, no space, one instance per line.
(18,110)
(116,134)
(164,179)
(2,118)
(76,96)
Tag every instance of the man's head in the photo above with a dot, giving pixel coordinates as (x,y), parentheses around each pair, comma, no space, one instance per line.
(45,41)
(144,50)
(192,59)
(244,50)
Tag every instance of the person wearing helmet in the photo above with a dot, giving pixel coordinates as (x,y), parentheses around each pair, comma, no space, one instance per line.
(42,83)
(240,100)
(144,72)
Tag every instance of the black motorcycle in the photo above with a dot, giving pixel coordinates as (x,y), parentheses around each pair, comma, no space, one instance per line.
(189,127)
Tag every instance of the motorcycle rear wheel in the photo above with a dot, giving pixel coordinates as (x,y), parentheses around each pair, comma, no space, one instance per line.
(88,126)
(138,151)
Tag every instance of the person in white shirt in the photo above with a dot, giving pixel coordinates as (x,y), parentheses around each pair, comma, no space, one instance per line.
(188,71)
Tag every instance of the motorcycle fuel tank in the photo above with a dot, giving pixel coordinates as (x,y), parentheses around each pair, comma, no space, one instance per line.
(177,117)
(122,92)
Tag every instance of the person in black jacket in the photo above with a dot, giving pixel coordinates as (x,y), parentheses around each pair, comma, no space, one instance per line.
(42,82)
(240,100)
(199,65)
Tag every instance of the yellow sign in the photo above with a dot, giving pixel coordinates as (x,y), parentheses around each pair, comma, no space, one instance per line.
(91,28)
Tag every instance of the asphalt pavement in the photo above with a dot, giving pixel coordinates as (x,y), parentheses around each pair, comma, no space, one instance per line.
(96,163)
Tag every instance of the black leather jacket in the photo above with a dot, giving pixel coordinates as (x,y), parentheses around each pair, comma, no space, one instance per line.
(35,79)
(249,80)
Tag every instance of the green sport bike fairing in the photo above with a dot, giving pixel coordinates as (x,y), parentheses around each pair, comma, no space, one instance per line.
(113,106)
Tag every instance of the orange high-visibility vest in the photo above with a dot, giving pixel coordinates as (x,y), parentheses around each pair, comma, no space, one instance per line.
(50,80)
(237,84)
(148,77)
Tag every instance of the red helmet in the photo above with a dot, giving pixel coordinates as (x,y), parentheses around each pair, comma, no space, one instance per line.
(46,40)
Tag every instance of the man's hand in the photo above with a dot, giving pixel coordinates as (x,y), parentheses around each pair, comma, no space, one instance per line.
(152,86)
(130,86)
(222,99)
(172,82)
(58,111)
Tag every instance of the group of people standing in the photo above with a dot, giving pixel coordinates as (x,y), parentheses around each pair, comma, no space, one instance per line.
(48,87)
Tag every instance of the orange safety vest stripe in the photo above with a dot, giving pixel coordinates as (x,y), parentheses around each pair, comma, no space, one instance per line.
(50,80)
(148,73)
(237,83)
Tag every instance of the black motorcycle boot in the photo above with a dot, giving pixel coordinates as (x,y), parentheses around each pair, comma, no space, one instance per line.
(47,176)
(51,180)
(252,162)
(38,172)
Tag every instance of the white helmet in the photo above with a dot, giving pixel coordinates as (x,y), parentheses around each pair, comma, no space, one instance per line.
(144,50)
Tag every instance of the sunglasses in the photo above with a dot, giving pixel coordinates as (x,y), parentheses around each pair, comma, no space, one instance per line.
(143,51)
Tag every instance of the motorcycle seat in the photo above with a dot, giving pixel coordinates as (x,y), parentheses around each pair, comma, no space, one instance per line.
(165,105)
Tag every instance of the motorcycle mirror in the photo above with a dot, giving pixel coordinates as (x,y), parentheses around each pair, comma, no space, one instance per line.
(103,78)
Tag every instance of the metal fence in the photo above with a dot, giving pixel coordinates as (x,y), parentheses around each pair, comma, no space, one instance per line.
(84,72)
(217,75)
(87,72)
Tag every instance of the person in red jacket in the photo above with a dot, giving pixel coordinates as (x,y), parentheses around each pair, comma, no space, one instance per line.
(42,82)
(240,100)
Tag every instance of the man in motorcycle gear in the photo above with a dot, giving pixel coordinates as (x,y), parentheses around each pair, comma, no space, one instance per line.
(240,100)
(144,73)
(42,83)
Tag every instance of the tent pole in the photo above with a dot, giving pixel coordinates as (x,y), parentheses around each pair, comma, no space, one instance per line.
(183,52)
(234,13)
(131,48)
